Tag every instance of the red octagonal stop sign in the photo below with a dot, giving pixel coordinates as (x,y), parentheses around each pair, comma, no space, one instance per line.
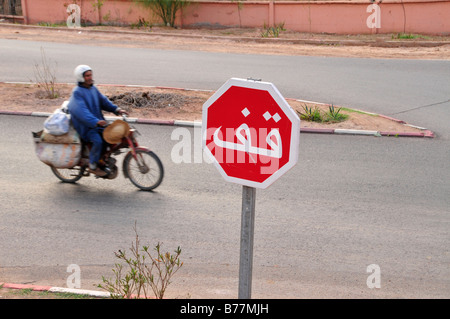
(250,132)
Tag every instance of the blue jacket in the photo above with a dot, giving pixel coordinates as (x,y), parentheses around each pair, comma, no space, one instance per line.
(85,108)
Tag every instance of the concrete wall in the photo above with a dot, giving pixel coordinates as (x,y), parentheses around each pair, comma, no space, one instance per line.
(341,17)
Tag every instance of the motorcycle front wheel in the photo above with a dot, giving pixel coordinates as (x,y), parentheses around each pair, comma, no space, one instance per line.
(68,175)
(145,171)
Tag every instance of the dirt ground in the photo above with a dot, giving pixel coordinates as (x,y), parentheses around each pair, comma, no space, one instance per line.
(242,40)
(172,104)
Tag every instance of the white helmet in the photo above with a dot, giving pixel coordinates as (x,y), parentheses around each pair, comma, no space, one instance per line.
(79,72)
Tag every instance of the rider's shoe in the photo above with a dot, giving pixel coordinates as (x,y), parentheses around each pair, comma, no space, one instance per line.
(97,171)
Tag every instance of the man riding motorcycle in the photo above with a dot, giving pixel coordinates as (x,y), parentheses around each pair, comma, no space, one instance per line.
(85,107)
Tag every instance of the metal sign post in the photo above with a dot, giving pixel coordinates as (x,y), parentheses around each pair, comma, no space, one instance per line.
(247,234)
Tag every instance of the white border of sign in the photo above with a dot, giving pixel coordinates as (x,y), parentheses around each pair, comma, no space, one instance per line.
(285,107)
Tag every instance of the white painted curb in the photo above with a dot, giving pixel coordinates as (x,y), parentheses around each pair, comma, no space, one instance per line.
(356,132)
(187,123)
(93,293)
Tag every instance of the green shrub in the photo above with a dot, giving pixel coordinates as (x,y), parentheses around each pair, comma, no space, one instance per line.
(334,115)
(165,9)
(145,272)
(310,114)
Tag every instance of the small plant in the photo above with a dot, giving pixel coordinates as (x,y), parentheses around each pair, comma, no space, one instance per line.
(98,4)
(141,24)
(272,31)
(165,9)
(145,272)
(45,76)
(334,115)
(310,114)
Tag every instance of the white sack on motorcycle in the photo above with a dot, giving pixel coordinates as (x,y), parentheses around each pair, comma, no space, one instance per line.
(62,151)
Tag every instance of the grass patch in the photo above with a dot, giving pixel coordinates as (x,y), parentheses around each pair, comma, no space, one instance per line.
(358,111)
(403,36)
(65,295)
(314,114)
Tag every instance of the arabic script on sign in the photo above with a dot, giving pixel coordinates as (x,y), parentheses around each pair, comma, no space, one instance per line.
(245,144)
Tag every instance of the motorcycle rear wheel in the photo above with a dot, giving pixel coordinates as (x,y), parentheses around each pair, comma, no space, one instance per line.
(68,175)
(147,172)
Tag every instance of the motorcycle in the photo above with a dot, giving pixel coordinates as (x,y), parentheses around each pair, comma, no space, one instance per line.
(140,165)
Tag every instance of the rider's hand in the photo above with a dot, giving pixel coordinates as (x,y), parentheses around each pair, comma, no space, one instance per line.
(101,123)
(121,112)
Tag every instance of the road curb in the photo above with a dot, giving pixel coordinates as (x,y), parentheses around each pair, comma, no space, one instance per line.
(182,123)
(92,293)
(52,289)
(425,133)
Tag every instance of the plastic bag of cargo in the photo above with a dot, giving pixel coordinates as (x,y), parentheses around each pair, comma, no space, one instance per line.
(58,123)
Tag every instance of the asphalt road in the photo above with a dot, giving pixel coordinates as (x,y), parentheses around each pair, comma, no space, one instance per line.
(350,202)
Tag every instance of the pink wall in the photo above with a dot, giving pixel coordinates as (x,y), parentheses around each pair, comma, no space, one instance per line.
(342,17)
(111,12)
